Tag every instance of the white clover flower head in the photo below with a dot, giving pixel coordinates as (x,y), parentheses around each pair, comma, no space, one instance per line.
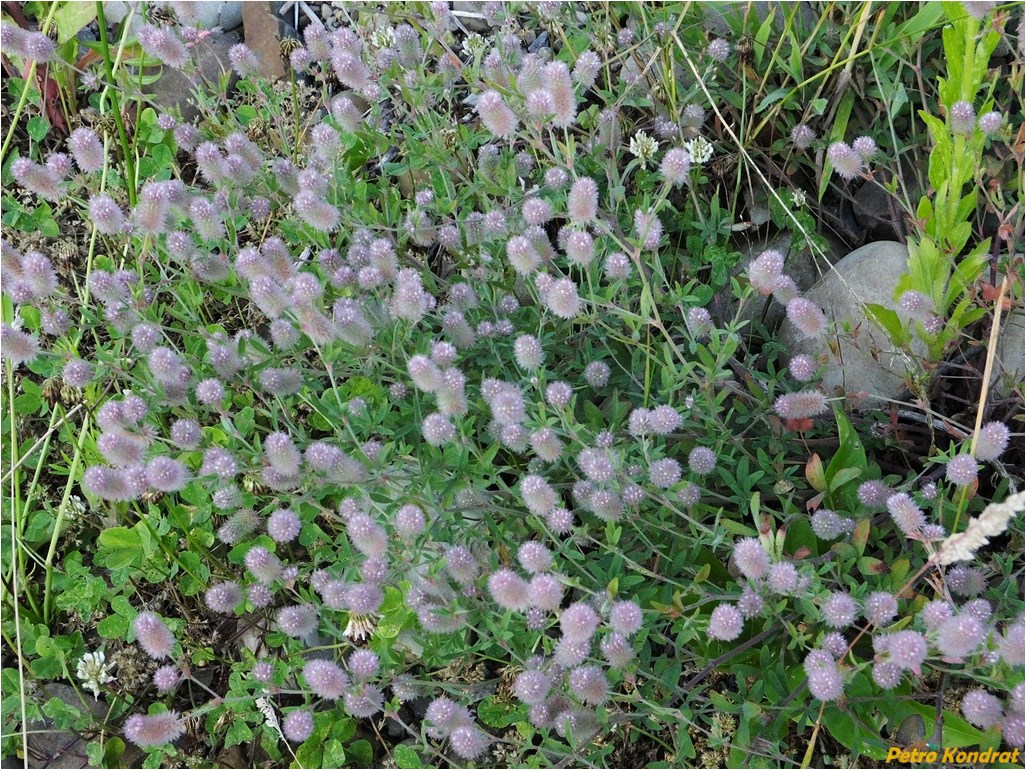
(798,199)
(643,147)
(94,671)
(699,149)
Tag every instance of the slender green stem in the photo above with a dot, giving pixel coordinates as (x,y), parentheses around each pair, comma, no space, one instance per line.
(130,179)
(22,100)
(295,111)
(61,512)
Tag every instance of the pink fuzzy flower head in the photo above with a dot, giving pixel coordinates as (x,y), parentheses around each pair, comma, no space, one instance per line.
(298,725)
(409,521)
(163,44)
(765,271)
(834,643)
(802,367)
(545,592)
(106,216)
(981,708)
(648,229)
(153,636)
(578,622)
(283,525)
(802,136)
(444,715)
(702,460)
(839,610)
(781,579)
(43,181)
(534,557)
(907,649)
(865,147)
(846,161)
(263,565)
(616,650)
(807,317)
(825,680)
(718,49)
(596,374)
(802,405)
(589,684)
(326,679)
(561,91)
(469,742)
(532,686)
(496,115)
(87,149)
(990,124)
(960,636)
(618,266)
(873,493)
(725,623)
(962,118)
(625,618)
(676,166)
(961,470)
(166,678)
(827,525)
(437,430)
(906,514)
(527,350)
(224,597)
(992,441)
(509,590)
(316,212)
(881,607)
(150,730)
(582,201)
(558,394)
(751,558)
(243,60)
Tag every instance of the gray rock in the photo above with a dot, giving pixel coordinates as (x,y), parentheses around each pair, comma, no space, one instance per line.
(1010,357)
(209,14)
(882,214)
(226,15)
(175,88)
(867,364)
(471,15)
(52,748)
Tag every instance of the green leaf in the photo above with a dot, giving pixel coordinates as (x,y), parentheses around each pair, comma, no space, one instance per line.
(120,547)
(113,627)
(360,753)
(406,758)
(497,714)
(118,538)
(239,732)
(334,754)
(71,18)
(889,322)
(38,127)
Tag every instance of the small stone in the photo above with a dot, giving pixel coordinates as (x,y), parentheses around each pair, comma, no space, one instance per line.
(869,364)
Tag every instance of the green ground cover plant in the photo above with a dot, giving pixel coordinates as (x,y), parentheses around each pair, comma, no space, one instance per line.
(423,406)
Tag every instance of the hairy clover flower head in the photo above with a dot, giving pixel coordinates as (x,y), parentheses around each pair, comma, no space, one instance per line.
(725,623)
